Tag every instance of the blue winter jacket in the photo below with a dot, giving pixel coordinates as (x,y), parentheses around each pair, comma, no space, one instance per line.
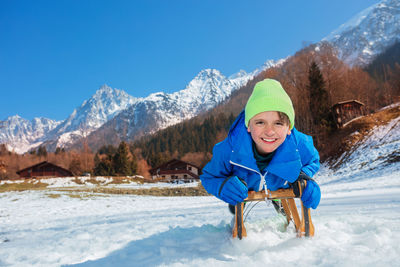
(234,156)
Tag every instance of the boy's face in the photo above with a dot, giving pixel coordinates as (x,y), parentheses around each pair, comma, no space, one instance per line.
(268,131)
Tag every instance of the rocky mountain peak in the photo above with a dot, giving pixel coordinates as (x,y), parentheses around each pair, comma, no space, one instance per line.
(368,33)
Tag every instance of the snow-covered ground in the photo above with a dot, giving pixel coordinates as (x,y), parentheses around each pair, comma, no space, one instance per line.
(105,182)
(356,224)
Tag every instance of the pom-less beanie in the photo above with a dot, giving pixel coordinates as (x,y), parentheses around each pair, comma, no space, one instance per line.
(269,95)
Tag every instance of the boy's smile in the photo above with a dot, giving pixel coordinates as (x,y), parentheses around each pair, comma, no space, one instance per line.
(268,131)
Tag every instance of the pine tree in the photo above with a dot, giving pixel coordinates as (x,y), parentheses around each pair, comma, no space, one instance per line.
(42,151)
(319,98)
(58,150)
(104,167)
(123,162)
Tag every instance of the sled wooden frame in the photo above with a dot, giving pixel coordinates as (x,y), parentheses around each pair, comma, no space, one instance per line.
(304,226)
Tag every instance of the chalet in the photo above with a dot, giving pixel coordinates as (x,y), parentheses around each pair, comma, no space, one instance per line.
(176,171)
(345,111)
(44,169)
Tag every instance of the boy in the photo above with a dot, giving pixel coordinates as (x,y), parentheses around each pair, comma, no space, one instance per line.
(263,150)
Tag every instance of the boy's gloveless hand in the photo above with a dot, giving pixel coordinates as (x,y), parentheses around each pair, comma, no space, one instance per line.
(233,191)
(311,195)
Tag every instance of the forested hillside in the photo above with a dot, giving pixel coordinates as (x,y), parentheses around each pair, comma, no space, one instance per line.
(314,78)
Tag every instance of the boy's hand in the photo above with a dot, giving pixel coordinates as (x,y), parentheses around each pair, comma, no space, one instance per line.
(233,191)
(311,195)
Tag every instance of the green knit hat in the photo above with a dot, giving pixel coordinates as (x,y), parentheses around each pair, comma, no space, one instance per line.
(269,95)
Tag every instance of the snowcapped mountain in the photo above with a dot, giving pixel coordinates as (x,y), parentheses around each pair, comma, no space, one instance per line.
(160,110)
(101,107)
(368,33)
(20,135)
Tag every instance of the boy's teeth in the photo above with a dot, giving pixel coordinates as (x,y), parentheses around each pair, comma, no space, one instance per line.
(268,140)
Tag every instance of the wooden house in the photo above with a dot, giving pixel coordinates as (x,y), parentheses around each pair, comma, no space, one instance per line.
(44,169)
(346,111)
(176,171)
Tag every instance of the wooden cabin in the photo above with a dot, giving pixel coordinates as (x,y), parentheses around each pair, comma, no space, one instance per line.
(346,111)
(175,171)
(44,169)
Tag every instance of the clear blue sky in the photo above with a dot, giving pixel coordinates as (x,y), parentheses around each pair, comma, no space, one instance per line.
(55,54)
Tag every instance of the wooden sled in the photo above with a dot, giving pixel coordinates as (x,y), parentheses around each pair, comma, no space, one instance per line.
(304,226)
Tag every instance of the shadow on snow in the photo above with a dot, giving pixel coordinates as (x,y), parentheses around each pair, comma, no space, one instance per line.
(175,245)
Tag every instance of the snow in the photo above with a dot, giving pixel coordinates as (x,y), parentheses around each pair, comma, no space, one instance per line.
(121,230)
(105,182)
(356,224)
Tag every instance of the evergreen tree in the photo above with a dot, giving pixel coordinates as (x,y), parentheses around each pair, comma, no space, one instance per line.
(319,98)
(122,163)
(104,167)
(42,151)
(58,150)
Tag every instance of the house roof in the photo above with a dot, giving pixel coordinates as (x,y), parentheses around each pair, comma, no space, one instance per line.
(43,163)
(349,101)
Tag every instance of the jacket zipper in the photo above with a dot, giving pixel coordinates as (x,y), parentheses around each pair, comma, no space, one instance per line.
(263,184)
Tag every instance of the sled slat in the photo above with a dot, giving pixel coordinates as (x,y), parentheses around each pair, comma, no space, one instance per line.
(288,213)
(239,230)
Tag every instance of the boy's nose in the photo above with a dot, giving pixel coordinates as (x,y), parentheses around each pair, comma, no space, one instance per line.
(269,130)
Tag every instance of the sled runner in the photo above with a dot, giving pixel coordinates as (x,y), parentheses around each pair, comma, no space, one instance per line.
(304,226)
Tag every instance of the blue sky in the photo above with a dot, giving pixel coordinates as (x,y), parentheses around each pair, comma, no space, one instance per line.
(56,54)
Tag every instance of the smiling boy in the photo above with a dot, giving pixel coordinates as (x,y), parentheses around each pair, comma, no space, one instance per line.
(263,150)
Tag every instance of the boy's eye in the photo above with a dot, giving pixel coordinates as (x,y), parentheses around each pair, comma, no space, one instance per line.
(279,123)
(259,123)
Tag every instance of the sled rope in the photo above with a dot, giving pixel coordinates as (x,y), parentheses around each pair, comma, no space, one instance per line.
(303,225)
(247,210)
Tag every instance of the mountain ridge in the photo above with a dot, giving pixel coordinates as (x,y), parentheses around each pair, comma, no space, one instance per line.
(364,36)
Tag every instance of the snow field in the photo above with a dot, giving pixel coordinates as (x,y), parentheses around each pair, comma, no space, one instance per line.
(360,229)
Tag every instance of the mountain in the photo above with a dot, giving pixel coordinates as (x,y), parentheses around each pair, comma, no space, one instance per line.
(20,135)
(368,33)
(160,110)
(101,107)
